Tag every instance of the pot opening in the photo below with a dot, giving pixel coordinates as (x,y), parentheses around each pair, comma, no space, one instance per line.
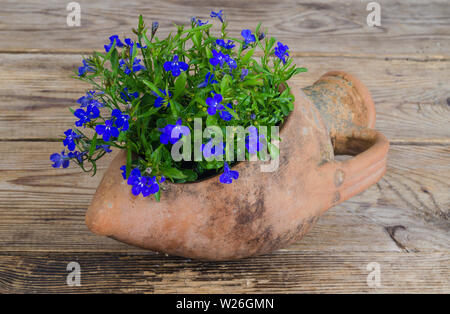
(208,174)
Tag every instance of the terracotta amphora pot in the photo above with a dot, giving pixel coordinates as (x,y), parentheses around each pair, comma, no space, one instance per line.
(261,211)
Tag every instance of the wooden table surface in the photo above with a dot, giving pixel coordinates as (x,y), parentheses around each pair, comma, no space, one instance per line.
(401,223)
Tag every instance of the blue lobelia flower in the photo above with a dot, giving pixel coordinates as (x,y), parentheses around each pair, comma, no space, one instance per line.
(209,79)
(248,36)
(141,184)
(134,68)
(105,147)
(70,139)
(121,120)
(126,96)
(131,44)
(227,45)
(85,68)
(219,15)
(198,22)
(84,117)
(228,175)
(173,129)
(225,115)
(60,160)
(214,104)
(253,141)
(89,99)
(107,130)
(281,51)
(175,66)
(159,101)
(155,26)
(218,58)
(78,155)
(209,149)
(111,42)
(244,73)
(231,62)
(124,171)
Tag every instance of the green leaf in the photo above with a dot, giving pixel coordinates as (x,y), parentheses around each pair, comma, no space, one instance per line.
(180,85)
(93,145)
(153,88)
(129,155)
(273,150)
(300,70)
(157,155)
(148,113)
(158,196)
(254,82)
(190,174)
(211,120)
(114,62)
(122,137)
(247,56)
(174,173)
(225,84)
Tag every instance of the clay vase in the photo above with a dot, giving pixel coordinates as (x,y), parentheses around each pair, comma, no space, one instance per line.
(261,211)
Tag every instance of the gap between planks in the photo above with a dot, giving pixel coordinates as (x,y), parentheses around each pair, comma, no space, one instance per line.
(312,54)
(400,142)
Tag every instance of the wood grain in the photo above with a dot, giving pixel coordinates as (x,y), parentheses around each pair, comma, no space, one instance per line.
(402,222)
(282,272)
(410,96)
(42,209)
(408,27)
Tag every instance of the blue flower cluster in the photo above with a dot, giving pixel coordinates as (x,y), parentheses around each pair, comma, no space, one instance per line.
(198,22)
(175,66)
(248,36)
(210,150)
(172,133)
(254,141)
(85,68)
(88,112)
(111,127)
(209,80)
(141,184)
(281,51)
(227,45)
(228,175)
(135,66)
(218,15)
(220,59)
(128,97)
(159,101)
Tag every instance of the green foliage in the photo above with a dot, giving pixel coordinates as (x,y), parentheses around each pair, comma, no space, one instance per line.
(257,98)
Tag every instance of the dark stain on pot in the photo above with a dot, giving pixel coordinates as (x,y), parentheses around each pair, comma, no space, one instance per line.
(249,212)
(290,236)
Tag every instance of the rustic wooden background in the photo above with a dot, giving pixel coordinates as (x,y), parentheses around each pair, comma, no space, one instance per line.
(402,222)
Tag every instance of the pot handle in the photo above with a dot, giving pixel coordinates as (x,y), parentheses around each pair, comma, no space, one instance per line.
(356,174)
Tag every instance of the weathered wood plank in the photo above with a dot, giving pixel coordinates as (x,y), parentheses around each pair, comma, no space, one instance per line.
(282,272)
(412,27)
(42,209)
(411,96)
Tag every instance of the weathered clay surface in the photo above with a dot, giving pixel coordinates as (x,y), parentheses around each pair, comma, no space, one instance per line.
(261,211)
